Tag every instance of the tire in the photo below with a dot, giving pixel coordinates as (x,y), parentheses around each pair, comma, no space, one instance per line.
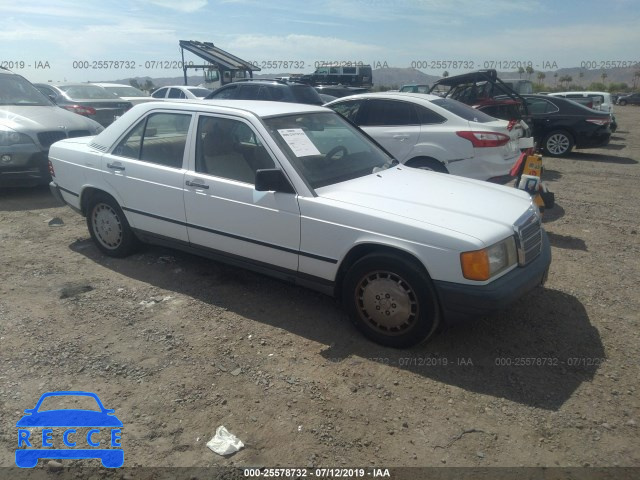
(622,102)
(557,143)
(390,300)
(109,228)
(428,164)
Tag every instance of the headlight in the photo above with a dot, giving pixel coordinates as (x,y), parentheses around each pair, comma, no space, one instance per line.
(484,264)
(8,136)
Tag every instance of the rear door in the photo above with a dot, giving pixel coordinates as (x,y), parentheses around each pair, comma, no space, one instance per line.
(145,171)
(393,123)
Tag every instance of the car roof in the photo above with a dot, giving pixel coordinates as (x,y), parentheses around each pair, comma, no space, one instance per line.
(242,108)
(102,84)
(579,92)
(419,97)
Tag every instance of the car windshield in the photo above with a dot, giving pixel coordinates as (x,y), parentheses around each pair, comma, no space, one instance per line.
(199,92)
(465,111)
(93,92)
(124,91)
(15,90)
(325,149)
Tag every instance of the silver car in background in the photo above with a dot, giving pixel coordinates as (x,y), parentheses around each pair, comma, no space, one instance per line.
(29,124)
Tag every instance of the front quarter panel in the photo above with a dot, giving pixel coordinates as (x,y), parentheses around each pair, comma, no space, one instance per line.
(329,230)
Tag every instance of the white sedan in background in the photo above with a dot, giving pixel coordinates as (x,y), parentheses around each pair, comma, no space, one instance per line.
(176,92)
(440,134)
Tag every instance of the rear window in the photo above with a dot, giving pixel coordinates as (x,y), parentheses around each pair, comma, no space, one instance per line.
(200,92)
(306,94)
(463,111)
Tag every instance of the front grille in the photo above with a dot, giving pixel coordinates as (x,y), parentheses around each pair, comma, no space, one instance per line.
(79,133)
(528,230)
(46,139)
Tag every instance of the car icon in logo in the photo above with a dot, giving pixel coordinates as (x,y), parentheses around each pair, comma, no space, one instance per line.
(97,422)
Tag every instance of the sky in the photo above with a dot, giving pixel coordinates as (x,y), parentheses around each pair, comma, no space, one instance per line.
(68,40)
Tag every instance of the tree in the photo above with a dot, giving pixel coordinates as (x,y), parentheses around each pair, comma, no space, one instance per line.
(529,71)
(603,75)
(555,76)
(566,79)
(445,74)
(636,79)
(149,86)
(134,83)
(597,87)
(520,71)
(581,75)
(541,77)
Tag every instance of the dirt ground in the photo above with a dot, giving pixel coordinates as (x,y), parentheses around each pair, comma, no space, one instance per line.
(179,345)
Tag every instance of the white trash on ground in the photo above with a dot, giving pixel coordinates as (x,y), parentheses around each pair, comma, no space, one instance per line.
(224,442)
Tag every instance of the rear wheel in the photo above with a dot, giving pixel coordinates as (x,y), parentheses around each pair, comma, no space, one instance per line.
(390,300)
(427,163)
(108,226)
(622,102)
(557,143)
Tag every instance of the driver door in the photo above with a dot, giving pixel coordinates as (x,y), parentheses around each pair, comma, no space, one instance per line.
(225,213)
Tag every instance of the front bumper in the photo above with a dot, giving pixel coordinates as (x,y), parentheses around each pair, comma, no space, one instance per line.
(26,167)
(461,302)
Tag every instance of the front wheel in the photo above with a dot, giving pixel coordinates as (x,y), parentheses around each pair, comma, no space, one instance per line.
(622,102)
(557,143)
(109,228)
(390,300)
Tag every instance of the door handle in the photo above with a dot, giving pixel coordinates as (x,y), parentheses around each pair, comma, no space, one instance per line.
(115,166)
(198,185)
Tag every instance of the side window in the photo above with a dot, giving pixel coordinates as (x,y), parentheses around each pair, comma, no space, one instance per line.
(536,106)
(276,93)
(229,149)
(176,93)
(248,92)
(227,92)
(390,113)
(349,109)
(159,139)
(161,93)
(429,117)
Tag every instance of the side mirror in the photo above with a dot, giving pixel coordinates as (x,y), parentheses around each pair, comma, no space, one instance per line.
(272,179)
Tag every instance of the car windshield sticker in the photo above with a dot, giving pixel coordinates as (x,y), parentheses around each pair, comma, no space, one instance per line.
(300,144)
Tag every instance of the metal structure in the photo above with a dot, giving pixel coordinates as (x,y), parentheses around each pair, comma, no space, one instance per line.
(219,60)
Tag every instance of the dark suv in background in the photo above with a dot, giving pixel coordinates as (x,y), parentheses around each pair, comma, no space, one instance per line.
(271,90)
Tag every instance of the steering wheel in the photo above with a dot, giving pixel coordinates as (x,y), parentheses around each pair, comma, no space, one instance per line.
(332,155)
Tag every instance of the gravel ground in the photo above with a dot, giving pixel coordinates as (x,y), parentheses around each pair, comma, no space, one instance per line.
(178,346)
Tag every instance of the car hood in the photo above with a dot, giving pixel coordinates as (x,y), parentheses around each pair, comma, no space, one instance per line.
(69,418)
(38,118)
(470,207)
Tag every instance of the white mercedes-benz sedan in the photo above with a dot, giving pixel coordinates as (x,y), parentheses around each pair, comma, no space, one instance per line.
(298,192)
